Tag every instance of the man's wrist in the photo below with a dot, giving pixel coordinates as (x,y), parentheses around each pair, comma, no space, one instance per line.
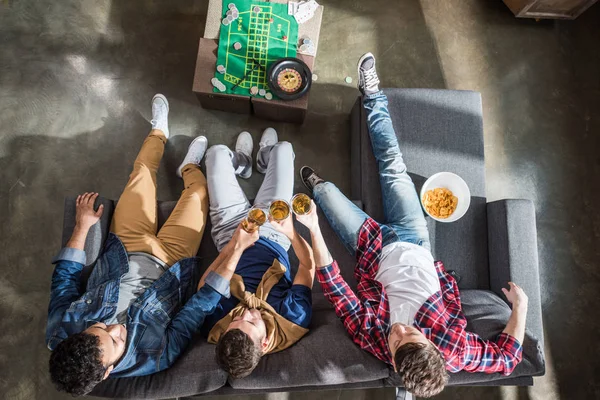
(520,307)
(81,229)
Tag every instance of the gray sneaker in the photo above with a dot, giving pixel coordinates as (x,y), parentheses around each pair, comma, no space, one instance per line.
(244,145)
(268,138)
(368,82)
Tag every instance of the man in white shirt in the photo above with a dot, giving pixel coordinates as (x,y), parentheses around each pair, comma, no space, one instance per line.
(407,312)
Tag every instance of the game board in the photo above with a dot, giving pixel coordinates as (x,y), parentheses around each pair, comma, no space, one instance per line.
(265,36)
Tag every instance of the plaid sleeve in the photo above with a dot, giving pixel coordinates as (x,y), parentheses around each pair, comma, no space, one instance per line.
(336,290)
(501,355)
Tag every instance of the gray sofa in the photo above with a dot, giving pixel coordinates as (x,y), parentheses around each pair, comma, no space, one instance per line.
(492,244)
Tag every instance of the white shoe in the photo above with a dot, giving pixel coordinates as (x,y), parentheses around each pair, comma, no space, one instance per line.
(244,145)
(160,114)
(195,153)
(368,82)
(268,138)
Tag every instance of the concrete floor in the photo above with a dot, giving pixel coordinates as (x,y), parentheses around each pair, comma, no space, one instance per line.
(76,79)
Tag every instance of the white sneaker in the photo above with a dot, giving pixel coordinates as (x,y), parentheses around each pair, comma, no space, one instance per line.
(160,114)
(195,153)
(268,138)
(244,145)
(368,82)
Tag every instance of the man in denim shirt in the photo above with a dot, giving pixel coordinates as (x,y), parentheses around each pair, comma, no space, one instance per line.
(140,308)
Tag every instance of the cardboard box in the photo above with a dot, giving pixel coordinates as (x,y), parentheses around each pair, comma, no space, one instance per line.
(205,71)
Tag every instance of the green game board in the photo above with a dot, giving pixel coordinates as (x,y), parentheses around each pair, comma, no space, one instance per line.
(260,38)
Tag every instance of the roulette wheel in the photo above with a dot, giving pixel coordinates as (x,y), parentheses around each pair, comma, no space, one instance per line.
(289,78)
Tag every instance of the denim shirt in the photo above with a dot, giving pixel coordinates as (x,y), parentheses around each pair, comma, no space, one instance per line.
(160,323)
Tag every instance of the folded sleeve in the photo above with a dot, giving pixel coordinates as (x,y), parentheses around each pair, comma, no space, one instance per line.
(218,283)
(70,254)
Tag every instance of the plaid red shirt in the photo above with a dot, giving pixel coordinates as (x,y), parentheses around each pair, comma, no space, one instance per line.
(367,317)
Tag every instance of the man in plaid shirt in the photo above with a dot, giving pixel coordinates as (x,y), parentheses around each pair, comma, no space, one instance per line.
(407,312)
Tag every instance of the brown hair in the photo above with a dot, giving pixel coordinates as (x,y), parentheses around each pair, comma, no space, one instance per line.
(422,368)
(237,353)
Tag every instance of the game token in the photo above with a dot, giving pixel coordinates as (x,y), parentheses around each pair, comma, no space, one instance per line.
(231,5)
(225,21)
(303,48)
(268,96)
(235,14)
(262,92)
(220,69)
(230,18)
(271,20)
(237,45)
(256,9)
(315,77)
(307,41)
(348,79)
(229,12)
(284,37)
(253,90)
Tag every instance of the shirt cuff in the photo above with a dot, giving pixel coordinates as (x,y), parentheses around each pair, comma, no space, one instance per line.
(70,254)
(511,345)
(324,274)
(220,284)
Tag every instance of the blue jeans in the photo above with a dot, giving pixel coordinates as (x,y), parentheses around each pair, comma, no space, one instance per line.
(404,219)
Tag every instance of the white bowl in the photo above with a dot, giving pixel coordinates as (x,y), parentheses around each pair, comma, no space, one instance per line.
(454,183)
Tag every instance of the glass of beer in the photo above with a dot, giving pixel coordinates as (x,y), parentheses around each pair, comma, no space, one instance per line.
(255,219)
(301,204)
(279,210)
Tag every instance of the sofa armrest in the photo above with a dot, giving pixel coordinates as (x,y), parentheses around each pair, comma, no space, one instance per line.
(97,234)
(512,241)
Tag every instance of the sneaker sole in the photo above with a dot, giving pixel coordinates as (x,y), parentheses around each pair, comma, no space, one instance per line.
(360,60)
(163,98)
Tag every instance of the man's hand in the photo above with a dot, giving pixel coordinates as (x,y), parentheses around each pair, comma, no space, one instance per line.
(286,226)
(310,220)
(85,214)
(516,296)
(242,239)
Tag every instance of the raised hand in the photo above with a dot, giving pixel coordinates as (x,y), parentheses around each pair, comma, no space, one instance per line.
(286,226)
(85,214)
(310,220)
(516,296)
(243,239)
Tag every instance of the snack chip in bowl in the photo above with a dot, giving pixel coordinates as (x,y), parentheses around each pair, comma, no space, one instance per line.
(440,202)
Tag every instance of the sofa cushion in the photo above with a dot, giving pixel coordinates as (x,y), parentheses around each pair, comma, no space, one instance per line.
(438,130)
(195,372)
(325,356)
(487,315)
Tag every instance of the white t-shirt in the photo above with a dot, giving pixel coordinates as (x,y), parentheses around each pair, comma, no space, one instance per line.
(408,275)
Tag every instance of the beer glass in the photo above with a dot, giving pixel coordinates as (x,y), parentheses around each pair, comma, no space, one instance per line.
(255,219)
(279,210)
(301,204)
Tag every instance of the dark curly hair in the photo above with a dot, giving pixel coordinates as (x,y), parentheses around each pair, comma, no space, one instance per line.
(76,364)
(237,353)
(422,369)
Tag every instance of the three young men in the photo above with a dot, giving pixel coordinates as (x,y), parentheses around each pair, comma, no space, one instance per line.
(407,312)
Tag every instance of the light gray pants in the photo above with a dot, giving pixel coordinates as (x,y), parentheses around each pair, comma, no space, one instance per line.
(228,203)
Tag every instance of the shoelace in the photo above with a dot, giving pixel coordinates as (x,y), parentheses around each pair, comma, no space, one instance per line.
(371,78)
